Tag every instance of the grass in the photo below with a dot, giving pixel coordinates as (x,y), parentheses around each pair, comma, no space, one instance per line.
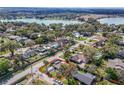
(4,52)
(92,40)
(65,81)
(81,38)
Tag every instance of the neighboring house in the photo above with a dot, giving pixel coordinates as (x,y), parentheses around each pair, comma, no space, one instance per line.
(1,33)
(12,37)
(85,78)
(121,54)
(99,41)
(17,38)
(76,34)
(78,58)
(10,30)
(50,69)
(82,34)
(63,41)
(86,34)
(116,63)
(121,43)
(99,30)
(21,39)
(55,65)
(28,54)
(35,35)
(54,45)
(40,49)
(29,42)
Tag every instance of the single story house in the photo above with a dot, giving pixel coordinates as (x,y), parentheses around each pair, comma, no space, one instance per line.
(78,58)
(100,41)
(86,34)
(17,38)
(85,78)
(54,45)
(116,63)
(76,34)
(28,54)
(121,43)
(121,53)
(40,49)
(50,69)
(29,42)
(35,35)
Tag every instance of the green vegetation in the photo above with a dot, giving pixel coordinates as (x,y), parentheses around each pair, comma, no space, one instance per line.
(40,34)
(112,73)
(81,38)
(9,45)
(104,82)
(72,81)
(4,65)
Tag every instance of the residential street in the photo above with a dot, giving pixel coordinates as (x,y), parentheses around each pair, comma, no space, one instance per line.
(21,75)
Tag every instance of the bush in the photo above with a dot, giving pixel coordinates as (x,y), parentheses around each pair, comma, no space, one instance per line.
(4,65)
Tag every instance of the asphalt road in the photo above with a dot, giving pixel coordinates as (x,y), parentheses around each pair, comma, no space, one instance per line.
(19,76)
(22,74)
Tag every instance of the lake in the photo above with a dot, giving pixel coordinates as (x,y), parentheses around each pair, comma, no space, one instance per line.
(43,21)
(110,21)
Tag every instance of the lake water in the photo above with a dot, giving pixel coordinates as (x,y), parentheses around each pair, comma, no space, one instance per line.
(42,21)
(110,21)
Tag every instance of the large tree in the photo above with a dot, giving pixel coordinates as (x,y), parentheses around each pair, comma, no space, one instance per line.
(110,50)
(11,45)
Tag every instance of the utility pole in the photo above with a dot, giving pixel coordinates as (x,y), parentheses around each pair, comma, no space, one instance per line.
(32,73)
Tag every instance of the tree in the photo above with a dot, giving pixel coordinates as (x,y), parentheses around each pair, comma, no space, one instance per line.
(110,50)
(56,27)
(89,52)
(67,54)
(39,40)
(72,81)
(114,38)
(97,59)
(122,28)
(4,65)
(11,45)
(112,73)
(98,62)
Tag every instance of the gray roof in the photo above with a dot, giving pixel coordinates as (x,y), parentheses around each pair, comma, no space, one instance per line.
(121,54)
(28,53)
(41,49)
(78,58)
(85,78)
(116,63)
(120,43)
(57,66)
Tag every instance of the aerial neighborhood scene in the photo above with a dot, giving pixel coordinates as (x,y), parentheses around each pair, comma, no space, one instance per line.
(61,46)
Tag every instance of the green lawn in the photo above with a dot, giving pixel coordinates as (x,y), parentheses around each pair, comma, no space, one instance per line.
(81,38)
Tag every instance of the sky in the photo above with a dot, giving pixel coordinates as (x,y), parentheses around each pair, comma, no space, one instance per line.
(61,3)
